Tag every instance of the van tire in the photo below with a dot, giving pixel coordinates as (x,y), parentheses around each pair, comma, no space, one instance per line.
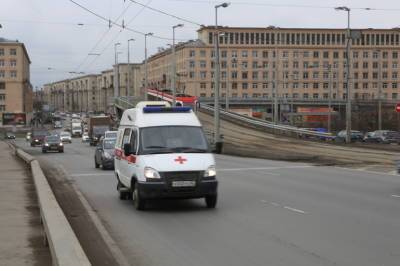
(138,202)
(211,201)
(122,195)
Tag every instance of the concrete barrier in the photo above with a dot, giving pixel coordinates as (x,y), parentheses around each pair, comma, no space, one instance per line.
(64,245)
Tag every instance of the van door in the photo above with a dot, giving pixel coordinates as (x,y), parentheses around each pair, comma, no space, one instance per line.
(122,162)
(132,167)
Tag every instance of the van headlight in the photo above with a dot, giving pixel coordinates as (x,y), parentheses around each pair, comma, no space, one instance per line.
(210,172)
(46,144)
(151,173)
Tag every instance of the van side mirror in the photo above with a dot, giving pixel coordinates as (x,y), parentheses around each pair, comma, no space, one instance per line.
(127,149)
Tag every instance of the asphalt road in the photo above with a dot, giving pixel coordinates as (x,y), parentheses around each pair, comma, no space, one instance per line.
(269,213)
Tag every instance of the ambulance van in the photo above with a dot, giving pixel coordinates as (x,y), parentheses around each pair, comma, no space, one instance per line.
(161,152)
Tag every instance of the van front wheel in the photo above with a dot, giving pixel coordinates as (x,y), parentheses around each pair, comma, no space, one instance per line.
(138,201)
(211,201)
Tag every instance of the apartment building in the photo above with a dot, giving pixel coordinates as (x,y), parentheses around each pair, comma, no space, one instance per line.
(94,92)
(300,63)
(16,94)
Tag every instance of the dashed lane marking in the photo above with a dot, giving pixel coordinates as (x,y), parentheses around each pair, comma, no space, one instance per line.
(294,210)
(284,207)
(396,196)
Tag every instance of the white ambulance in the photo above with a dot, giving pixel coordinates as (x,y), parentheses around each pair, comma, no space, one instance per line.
(161,152)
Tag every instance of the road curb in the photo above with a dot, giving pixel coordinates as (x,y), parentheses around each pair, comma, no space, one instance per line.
(113,247)
(64,245)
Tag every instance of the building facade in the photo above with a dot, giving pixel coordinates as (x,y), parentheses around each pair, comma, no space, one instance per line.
(294,63)
(16,95)
(93,92)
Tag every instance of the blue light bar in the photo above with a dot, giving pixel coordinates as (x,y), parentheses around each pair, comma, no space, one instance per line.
(176,109)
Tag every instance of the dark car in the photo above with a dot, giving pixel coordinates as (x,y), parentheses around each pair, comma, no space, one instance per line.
(52,143)
(38,136)
(9,135)
(383,136)
(104,154)
(355,136)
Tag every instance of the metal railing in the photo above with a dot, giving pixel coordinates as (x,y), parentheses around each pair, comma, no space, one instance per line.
(284,129)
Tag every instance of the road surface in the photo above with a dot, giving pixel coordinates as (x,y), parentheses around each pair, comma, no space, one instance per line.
(269,213)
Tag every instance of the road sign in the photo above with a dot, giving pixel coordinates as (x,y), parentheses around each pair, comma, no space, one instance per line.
(398,107)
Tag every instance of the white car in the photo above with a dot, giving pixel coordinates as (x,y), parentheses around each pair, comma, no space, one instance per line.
(66,137)
(161,152)
(85,137)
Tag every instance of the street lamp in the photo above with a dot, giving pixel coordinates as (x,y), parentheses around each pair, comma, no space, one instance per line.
(174,64)
(145,64)
(128,86)
(116,76)
(348,105)
(217,139)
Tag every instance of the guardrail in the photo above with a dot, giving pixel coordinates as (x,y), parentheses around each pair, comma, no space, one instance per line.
(64,246)
(284,129)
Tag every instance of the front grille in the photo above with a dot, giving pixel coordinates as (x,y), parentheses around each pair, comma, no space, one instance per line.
(170,177)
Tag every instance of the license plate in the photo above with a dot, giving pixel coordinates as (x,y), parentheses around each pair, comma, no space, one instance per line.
(183,183)
(54,148)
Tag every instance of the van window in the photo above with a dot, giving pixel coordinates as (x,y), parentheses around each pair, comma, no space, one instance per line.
(133,141)
(125,139)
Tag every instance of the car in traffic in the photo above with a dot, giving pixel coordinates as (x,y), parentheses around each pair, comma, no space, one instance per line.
(85,137)
(52,143)
(162,152)
(57,124)
(355,136)
(104,154)
(38,136)
(110,134)
(66,137)
(9,135)
(383,136)
(28,136)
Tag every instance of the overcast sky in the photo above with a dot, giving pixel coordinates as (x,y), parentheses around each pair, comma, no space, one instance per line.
(54,40)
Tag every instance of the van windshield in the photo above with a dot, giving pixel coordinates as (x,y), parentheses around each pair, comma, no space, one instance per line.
(173,139)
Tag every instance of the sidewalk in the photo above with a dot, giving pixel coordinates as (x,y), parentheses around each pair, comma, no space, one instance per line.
(20,229)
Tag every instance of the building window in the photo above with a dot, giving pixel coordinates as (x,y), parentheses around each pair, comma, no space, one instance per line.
(315,95)
(255,86)
(203,74)
(2,86)
(234,54)
(244,75)
(224,54)
(315,85)
(326,54)
(191,75)
(255,75)
(255,53)
(203,95)
(203,53)
(2,74)
(192,53)
(1,51)
(192,64)
(394,85)
(245,86)
(316,54)
(2,108)
(244,95)
(2,97)
(244,53)
(203,64)
(305,95)
(203,85)
(265,85)
(234,74)
(265,54)
(13,51)
(234,85)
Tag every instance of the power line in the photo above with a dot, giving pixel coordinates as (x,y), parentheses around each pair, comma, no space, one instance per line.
(165,13)
(111,22)
(284,5)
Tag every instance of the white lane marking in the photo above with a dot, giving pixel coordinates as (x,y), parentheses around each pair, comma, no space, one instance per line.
(396,196)
(77,175)
(282,206)
(265,168)
(294,210)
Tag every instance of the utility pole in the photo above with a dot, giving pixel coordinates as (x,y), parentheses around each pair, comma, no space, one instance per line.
(116,76)
(145,65)
(174,64)
(379,90)
(128,86)
(348,105)
(217,139)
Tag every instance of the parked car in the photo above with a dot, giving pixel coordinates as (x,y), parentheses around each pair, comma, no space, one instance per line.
(355,136)
(65,137)
(104,154)
(9,135)
(85,137)
(383,136)
(52,143)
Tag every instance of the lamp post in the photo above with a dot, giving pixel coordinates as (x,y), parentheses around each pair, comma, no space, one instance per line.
(145,64)
(174,64)
(217,139)
(128,86)
(116,76)
(348,105)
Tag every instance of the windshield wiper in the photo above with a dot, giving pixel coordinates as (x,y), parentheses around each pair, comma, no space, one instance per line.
(190,150)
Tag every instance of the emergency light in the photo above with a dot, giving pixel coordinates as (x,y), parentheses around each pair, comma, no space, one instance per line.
(176,109)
